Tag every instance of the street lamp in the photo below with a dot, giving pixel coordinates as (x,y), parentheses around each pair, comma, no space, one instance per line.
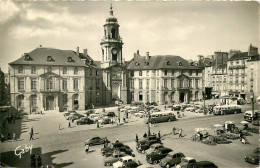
(252,99)
(149,116)
(204,108)
(118,110)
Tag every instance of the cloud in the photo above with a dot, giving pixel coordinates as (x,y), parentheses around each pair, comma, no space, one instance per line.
(8,9)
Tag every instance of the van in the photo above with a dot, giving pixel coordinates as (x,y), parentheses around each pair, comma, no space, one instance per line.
(248,115)
(161,117)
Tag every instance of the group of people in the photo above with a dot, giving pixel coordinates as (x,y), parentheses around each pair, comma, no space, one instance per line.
(174,130)
(35,160)
(2,137)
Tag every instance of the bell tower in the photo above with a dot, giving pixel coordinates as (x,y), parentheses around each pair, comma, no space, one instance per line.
(111,43)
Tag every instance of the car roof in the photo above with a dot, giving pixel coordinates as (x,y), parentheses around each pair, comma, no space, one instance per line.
(164,149)
(205,163)
(173,153)
(156,144)
(189,158)
(127,157)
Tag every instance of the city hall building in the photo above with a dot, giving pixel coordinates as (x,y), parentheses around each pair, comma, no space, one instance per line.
(53,79)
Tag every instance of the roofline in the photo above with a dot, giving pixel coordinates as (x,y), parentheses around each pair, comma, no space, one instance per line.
(46,65)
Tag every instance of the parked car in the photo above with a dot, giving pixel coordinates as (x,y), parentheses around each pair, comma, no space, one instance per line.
(87,113)
(202,164)
(154,147)
(176,107)
(140,114)
(254,157)
(158,155)
(78,116)
(186,162)
(122,160)
(155,110)
(145,144)
(131,164)
(172,159)
(95,117)
(108,161)
(110,148)
(105,121)
(248,115)
(95,141)
(111,114)
(123,149)
(82,121)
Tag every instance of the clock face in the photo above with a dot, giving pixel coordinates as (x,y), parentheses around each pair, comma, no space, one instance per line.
(114,51)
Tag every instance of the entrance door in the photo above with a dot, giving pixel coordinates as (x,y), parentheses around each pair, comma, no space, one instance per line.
(50,103)
(182,97)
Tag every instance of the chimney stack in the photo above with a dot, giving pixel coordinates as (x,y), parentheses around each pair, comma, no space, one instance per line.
(40,46)
(147,55)
(77,51)
(85,51)
(137,52)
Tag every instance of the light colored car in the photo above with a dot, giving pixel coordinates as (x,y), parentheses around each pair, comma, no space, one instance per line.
(185,162)
(140,114)
(108,161)
(153,147)
(95,117)
(122,160)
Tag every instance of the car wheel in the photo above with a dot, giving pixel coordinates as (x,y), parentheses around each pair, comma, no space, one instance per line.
(108,164)
(235,112)
(143,151)
(168,165)
(155,162)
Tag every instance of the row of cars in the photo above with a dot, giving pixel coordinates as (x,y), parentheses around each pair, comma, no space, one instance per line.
(156,153)
(89,117)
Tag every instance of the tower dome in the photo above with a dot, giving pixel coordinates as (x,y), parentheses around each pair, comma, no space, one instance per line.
(111,18)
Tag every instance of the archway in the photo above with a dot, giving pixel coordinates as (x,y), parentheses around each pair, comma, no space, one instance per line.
(33,102)
(20,101)
(75,101)
(49,103)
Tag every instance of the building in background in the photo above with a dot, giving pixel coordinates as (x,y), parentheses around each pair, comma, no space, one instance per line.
(2,87)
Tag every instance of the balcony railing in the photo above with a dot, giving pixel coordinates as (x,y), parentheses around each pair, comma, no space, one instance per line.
(237,67)
(184,87)
(49,90)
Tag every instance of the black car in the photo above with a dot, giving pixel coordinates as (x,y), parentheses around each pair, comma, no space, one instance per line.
(82,121)
(156,156)
(95,141)
(107,151)
(254,157)
(171,159)
(131,164)
(111,114)
(202,164)
(145,144)
(125,149)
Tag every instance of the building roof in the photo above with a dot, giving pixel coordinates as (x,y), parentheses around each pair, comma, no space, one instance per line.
(49,56)
(239,56)
(161,62)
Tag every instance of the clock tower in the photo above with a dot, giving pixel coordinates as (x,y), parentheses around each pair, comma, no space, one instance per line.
(111,43)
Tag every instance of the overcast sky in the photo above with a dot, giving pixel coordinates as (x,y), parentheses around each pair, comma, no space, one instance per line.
(186,29)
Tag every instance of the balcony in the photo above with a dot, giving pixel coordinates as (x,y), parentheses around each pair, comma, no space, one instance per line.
(251,79)
(165,88)
(21,90)
(237,67)
(185,88)
(49,90)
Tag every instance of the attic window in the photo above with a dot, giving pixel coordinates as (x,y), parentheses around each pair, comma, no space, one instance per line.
(50,59)
(136,64)
(27,57)
(70,59)
(180,63)
(146,63)
(167,63)
(191,63)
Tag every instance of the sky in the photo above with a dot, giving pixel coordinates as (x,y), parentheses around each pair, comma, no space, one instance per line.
(186,29)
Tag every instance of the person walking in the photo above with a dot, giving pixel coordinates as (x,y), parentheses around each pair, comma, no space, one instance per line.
(173,130)
(14,136)
(159,135)
(31,136)
(180,133)
(39,160)
(145,135)
(136,138)
(86,148)
(32,130)
(2,137)
(69,125)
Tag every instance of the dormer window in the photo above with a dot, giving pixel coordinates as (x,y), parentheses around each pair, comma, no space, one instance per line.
(146,63)
(136,64)
(75,71)
(33,70)
(167,63)
(27,57)
(20,70)
(50,59)
(70,59)
(49,69)
(191,63)
(180,63)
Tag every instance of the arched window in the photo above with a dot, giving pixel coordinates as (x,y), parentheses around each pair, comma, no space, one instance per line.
(64,71)
(113,32)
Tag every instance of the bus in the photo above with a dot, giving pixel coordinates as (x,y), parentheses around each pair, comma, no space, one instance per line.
(226,109)
(160,117)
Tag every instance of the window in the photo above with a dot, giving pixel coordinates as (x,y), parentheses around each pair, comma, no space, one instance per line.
(20,70)
(49,84)
(180,63)
(231,72)
(172,83)
(197,83)
(190,72)
(33,70)
(140,97)
(75,71)
(34,101)
(158,82)
(33,84)
(132,83)
(140,83)
(182,71)
(70,59)
(140,73)
(225,79)
(90,72)
(21,84)
(165,73)
(181,83)
(133,96)
(65,99)
(75,84)
(197,73)
(165,83)
(132,73)
(96,72)
(190,83)
(97,84)
(237,61)
(50,59)
(64,71)
(147,83)
(147,73)
(64,84)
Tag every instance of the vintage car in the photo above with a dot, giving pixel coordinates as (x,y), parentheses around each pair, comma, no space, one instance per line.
(118,147)
(111,114)
(131,164)
(186,162)
(145,144)
(104,121)
(122,160)
(87,113)
(254,157)
(249,116)
(176,107)
(84,120)
(76,117)
(95,141)
(172,159)
(155,110)
(108,161)
(158,155)
(202,164)
(154,147)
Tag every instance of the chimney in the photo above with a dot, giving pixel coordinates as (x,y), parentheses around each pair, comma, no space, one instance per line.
(77,51)
(147,55)
(40,46)
(137,52)
(85,51)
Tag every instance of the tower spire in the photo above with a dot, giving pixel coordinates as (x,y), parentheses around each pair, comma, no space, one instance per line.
(111,10)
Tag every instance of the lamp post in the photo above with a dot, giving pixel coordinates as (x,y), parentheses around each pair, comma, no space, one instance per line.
(252,99)
(118,110)
(204,108)
(149,116)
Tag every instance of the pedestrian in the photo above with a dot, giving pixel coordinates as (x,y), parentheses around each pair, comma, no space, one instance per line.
(124,119)
(165,107)
(117,140)
(86,148)
(145,135)
(14,137)
(32,130)
(97,124)
(31,136)
(244,140)
(180,133)
(39,160)
(127,114)
(136,138)
(9,136)
(240,135)
(41,112)
(173,130)
(2,137)
(33,161)
(159,135)
(69,124)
